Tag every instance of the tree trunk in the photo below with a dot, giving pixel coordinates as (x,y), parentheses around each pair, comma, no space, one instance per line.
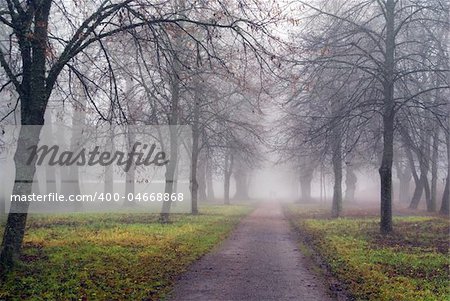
(3,190)
(130,174)
(423,184)
(241,180)
(445,208)
(427,189)
(446,196)
(305,187)
(403,195)
(307,168)
(15,224)
(412,166)
(386,174)
(71,184)
(173,133)
(170,174)
(404,176)
(195,156)
(227,176)
(109,169)
(350,184)
(194,182)
(50,171)
(201,178)
(209,180)
(388,122)
(227,189)
(130,178)
(418,191)
(337,170)
(434,170)
(33,102)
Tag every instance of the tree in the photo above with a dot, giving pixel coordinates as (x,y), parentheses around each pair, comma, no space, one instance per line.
(39,51)
(350,182)
(374,37)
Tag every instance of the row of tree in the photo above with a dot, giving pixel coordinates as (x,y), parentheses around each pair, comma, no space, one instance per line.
(371,87)
(367,82)
(128,63)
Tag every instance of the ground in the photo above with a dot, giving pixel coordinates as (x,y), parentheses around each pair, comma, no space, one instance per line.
(112,256)
(270,255)
(412,263)
(260,261)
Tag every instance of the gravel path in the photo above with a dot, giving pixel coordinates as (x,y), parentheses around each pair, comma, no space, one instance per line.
(260,261)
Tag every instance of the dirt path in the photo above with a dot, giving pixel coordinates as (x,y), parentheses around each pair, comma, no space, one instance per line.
(260,261)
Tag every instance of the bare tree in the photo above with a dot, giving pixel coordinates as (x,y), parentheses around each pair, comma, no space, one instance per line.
(44,38)
(375,38)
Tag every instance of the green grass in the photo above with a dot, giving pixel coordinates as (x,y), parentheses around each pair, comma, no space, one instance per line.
(112,256)
(412,264)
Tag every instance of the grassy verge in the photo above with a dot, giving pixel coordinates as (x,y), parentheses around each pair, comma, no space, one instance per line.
(411,264)
(112,256)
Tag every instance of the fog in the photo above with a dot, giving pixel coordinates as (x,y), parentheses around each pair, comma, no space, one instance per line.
(333,102)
